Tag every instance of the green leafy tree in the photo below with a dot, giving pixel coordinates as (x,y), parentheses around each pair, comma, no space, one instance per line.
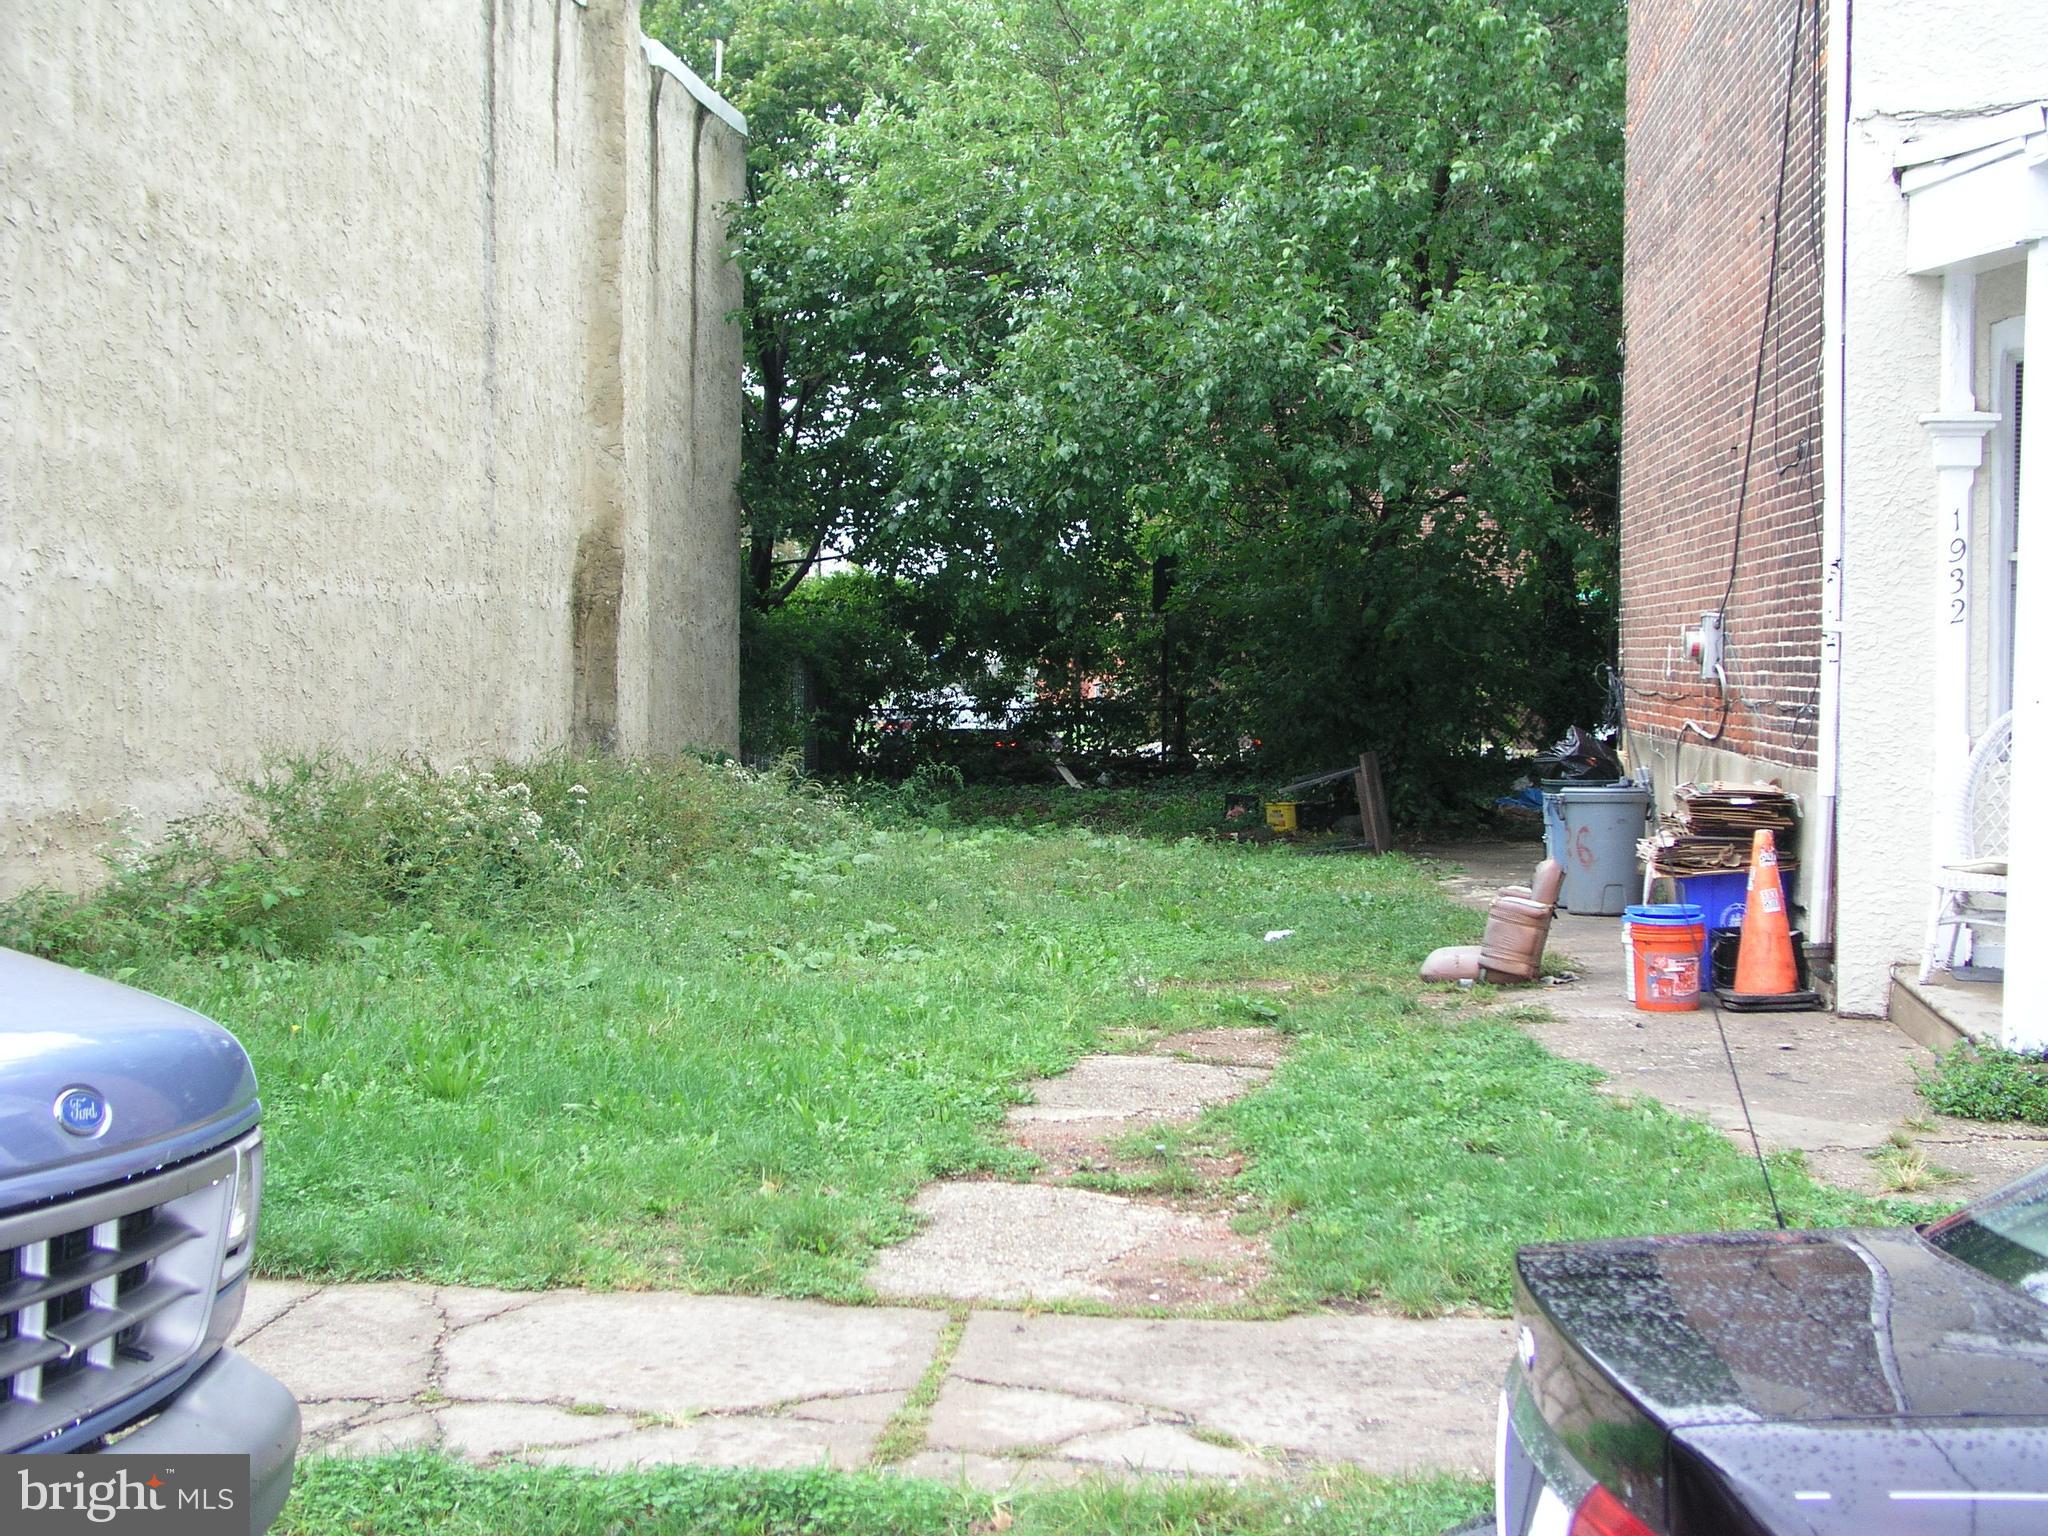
(1259,357)
(827,355)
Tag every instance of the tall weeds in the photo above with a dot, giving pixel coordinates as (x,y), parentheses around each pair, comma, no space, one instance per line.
(316,850)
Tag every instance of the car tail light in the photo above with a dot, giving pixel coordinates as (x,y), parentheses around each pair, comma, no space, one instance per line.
(1600,1513)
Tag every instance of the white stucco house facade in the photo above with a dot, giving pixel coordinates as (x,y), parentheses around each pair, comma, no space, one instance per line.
(1942,189)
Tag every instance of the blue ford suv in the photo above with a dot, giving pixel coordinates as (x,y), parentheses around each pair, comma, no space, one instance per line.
(131,1169)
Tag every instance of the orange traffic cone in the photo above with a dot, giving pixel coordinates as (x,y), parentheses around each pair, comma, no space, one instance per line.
(1764,963)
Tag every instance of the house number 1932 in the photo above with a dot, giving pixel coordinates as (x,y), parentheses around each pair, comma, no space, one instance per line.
(1958,572)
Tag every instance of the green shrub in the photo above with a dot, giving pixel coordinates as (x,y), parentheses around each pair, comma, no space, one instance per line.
(316,850)
(1982,1082)
(814,671)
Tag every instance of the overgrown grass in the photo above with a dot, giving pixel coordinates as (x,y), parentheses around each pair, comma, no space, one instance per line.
(420,1495)
(612,1025)
(1983,1082)
(316,853)
(1411,1150)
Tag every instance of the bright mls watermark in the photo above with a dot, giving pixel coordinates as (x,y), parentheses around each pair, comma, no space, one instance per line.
(124,1495)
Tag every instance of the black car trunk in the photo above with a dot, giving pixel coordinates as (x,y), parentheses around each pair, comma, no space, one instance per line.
(1712,1383)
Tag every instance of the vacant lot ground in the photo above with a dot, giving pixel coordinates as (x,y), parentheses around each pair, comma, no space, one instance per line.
(732,1067)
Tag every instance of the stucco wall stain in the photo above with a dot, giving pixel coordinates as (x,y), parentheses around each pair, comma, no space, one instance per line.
(311,374)
(555,87)
(600,577)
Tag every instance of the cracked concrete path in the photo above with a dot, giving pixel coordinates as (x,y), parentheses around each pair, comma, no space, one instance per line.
(588,1380)
(1056,1239)
(1223,1398)
(624,1379)
(1836,1089)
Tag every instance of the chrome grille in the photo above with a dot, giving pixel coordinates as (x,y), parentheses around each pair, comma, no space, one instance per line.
(103,1294)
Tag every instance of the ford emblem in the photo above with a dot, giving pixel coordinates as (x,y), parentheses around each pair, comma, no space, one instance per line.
(81,1111)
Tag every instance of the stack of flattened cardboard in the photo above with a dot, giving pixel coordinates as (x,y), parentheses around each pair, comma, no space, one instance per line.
(1709,830)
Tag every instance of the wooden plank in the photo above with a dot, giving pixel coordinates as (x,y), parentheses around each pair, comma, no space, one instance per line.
(1301,787)
(1374,822)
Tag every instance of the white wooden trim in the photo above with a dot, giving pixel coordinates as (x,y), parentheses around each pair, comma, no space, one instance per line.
(1979,209)
(2008,347)
(2026,981)
(1966,138)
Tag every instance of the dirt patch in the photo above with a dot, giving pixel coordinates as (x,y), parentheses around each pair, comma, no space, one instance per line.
(1106,1151)
(1204,1264)
(1112,1215)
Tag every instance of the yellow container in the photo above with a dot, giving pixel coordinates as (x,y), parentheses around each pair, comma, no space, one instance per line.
(1280,815)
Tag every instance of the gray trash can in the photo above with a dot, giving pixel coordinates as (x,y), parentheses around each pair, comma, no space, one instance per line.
(1556,841)
(1601,828)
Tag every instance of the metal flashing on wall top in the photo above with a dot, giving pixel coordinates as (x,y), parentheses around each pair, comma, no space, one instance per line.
(712,102)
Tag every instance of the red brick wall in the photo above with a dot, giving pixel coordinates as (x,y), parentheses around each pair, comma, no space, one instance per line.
(1706,112)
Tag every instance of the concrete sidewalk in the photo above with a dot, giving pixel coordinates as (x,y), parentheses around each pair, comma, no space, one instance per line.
(1835,1089)
(620,1379)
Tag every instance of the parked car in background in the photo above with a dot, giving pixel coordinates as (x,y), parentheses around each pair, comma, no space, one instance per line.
(131,1172)
(1771,1383)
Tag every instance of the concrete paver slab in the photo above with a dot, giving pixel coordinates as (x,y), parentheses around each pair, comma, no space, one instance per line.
(876,1408)
(1161,1448)
(1136,1088)
(383,1436)
(323,1420)
(667,1353)
(996,1421)
(353,1341)
(1016,1242)
(1985,1156)
(723,1442)
(266,1300)
(485,1431)
(462,1305)
(1388,1394)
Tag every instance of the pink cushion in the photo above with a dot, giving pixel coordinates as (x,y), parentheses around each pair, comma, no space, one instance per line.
(1460,962)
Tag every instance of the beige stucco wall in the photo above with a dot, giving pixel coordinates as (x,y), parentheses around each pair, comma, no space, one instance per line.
(681,360)
(366,382)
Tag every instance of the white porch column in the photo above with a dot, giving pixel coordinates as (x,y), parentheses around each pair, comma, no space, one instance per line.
(2026,940)
(1957,430)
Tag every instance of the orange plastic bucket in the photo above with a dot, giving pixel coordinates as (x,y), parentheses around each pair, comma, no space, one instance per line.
(1664,956)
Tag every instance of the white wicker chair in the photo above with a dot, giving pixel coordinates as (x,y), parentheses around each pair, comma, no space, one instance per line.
(1982,823)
